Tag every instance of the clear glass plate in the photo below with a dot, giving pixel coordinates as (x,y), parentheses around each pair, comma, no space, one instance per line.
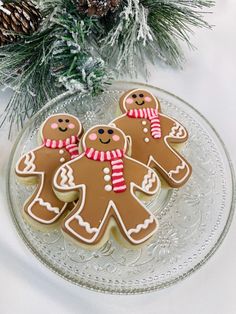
(193,220)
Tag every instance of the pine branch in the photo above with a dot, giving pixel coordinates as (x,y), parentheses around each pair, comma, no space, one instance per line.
(171,22)
(153,28)
(56,58)
(72,51)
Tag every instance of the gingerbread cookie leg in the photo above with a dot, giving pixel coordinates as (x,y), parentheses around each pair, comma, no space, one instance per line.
(175,169)
(137,224)
(86,222)
(43,206)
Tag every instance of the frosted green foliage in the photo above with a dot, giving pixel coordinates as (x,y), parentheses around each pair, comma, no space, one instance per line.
(72,51)
(56,58)
(154,28)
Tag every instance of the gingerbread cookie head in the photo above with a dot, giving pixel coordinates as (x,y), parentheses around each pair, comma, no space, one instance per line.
(138,99)
(60,127)
(104,138)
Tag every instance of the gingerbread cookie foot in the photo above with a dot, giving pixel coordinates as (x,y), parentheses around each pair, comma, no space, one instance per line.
(180,174)
(77,227)
(43,211)
(144,230)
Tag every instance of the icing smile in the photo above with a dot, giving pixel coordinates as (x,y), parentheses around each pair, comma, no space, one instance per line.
(107,142)
(62,130)
(140,104)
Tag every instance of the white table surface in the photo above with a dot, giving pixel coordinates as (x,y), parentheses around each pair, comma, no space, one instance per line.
(208,82)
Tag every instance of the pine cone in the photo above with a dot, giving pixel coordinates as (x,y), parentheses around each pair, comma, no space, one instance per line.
(97,7)
(17,18)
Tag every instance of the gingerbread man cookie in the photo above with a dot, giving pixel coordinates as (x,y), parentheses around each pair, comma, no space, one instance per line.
(60,135)
(152,135)
(106,180)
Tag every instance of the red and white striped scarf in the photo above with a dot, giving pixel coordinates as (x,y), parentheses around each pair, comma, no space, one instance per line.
(70,144)
(117,166)
(152,115)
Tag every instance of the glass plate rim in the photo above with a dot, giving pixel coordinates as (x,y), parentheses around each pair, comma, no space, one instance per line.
(131,291)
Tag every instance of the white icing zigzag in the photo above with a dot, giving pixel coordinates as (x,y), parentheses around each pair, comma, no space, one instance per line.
(29,162)
(177,131)
(144,225)
(148,181)
(47,205)
(85,224)
(70,176)
(177,169)
(67,178)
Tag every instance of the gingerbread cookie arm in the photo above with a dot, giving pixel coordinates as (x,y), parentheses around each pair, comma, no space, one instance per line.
(173,130)
(121,122)
(142,177)
(27,165)
(70,177)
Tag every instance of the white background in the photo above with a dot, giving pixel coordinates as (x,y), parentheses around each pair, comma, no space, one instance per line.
(208,82)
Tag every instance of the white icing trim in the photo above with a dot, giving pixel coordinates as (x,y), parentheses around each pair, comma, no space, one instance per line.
(67,178)
(148,181)
(144,225)
(44,204)
(177,169)
(85,224)
(182,133)
(33,169)
(29,162)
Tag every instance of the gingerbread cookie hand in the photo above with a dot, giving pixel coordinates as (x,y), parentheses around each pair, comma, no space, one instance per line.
(173,130)
(26,165)
(144,179)
(107,180)
(152,134)
(70,179)
(60,135)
